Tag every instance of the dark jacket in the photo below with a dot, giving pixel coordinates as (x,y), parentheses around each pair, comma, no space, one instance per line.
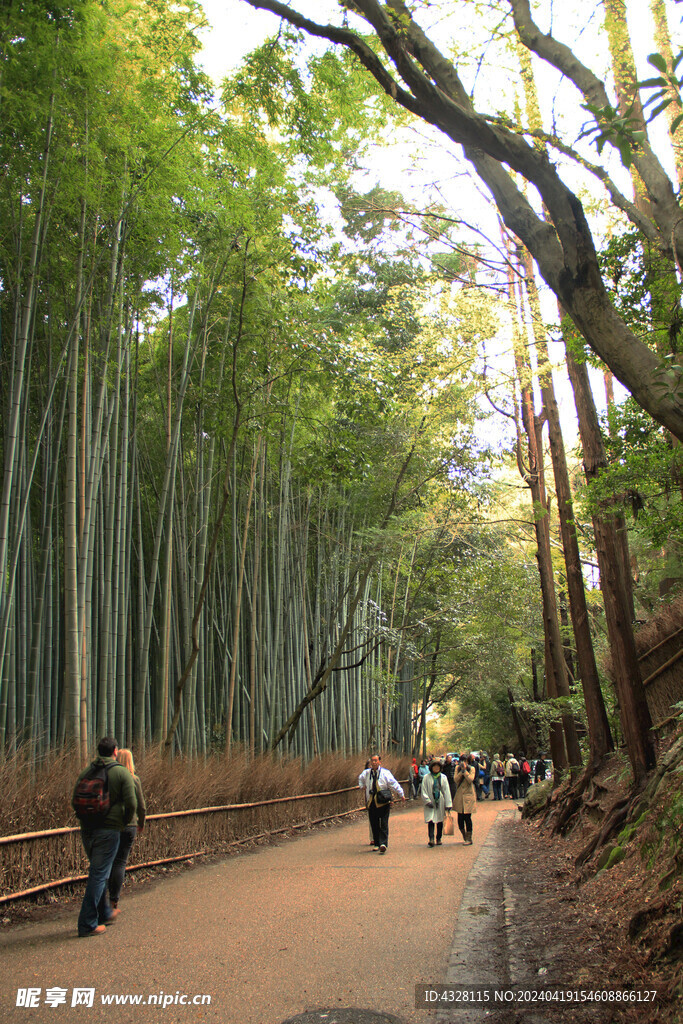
(121,794)
(449,771)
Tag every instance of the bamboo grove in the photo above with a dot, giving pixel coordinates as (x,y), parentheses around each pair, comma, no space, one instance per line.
(255,472)
(212,461)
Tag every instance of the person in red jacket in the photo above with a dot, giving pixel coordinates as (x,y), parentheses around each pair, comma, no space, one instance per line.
(414,778)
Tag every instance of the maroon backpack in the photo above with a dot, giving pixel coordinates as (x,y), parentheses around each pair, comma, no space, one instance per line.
(92,801)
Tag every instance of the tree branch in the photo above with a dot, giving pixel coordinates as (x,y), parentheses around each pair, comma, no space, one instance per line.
(565,253)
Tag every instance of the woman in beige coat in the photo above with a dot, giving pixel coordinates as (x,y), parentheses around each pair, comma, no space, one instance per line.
(465,797)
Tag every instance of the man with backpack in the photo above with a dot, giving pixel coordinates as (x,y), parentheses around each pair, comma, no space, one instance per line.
(104,801)
(497,777)
(524,777)
(511,775)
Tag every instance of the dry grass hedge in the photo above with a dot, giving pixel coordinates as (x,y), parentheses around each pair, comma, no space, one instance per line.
(39,798)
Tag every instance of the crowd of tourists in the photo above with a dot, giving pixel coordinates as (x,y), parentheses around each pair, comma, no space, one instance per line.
(446,785)
(502,778)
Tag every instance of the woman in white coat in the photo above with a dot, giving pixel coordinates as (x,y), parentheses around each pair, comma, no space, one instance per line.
(436,796)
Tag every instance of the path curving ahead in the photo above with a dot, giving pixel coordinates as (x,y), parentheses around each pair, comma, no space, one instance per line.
(318,921)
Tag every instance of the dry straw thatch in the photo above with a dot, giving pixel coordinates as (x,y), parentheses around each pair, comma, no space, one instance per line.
(659,643)
(660,648)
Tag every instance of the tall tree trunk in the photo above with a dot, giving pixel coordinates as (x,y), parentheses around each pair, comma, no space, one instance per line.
(600,737)
(517,723)
(663,41)
(558,750)
(636,722)
(534,475)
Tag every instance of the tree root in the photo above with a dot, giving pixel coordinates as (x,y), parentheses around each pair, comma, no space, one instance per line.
(634,805)
(574,799)
(615,819)
(642,916)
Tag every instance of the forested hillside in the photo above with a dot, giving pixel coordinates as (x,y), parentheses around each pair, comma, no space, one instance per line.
(263,483)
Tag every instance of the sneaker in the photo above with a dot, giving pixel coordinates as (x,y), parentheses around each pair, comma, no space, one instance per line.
(99,930)
(430,843)
(375,849)
(438,842)
(382,848)
(112,918)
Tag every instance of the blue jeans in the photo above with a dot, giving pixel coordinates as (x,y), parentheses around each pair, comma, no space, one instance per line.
(497,789)
(100,845)
(118,868)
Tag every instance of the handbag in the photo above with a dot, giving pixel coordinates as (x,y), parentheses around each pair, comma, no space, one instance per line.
(449,826)
(383,797)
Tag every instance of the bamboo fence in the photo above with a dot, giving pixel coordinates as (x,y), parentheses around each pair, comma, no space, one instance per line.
(36,862)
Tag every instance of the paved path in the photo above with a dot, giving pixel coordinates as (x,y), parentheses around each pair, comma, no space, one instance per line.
(315,922)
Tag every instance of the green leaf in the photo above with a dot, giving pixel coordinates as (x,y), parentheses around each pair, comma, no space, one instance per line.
(658,109)
(625,153)
(658,61)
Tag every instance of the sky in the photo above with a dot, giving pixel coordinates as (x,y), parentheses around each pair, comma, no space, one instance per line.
(236,28)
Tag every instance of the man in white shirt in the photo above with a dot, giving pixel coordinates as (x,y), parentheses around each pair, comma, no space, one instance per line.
(379,786)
